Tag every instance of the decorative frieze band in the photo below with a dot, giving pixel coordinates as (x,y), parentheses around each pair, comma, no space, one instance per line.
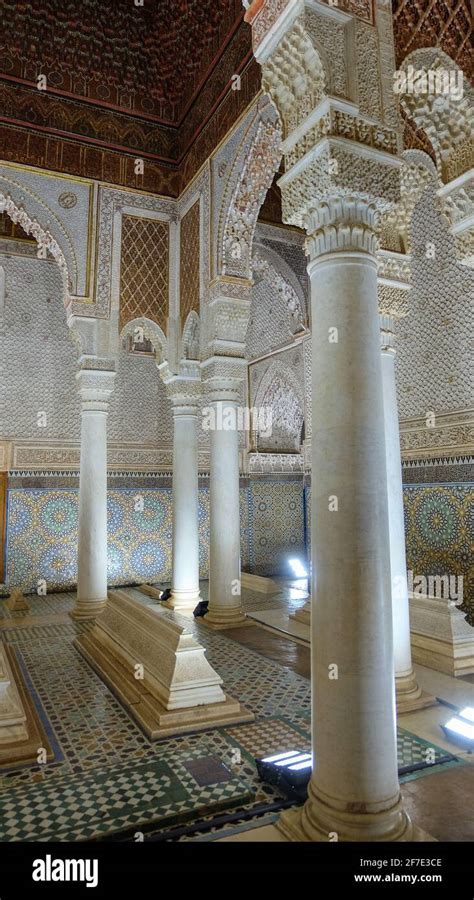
(60,458)
(438,435)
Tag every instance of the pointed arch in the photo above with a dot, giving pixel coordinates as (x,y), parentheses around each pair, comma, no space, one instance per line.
(191,336)
(281,393)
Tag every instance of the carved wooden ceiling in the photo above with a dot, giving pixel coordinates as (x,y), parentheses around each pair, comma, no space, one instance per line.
(146,80)
(152,79)
(434,23)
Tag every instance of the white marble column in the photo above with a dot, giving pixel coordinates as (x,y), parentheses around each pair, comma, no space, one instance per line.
(95,388)
(225,605)
(354,794)
(408,693)
(185,578)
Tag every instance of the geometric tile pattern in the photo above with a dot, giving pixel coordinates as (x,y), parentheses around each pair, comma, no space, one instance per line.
(276,528)
(111,778)
(118,799)
(439,532)
(42,536)
(439,526)
(42,533)
(144,274)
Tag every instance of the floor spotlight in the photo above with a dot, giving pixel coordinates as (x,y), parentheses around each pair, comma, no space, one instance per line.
(299,570)
(460,729)
(289,771)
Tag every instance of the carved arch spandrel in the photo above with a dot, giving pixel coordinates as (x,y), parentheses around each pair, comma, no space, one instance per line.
(446,117)
(39,221)
(251,174)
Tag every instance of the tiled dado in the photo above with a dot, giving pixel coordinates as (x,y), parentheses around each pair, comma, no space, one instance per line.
(42,531)
(439,532)
(42,535)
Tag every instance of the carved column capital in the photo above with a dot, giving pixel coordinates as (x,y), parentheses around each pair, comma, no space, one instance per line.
(185,396)
(223,379)
(95,387)
(341,225)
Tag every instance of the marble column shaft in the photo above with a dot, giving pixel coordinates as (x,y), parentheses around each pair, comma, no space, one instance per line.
(225,605)
(95,388)
(185,577)
(406,685)
(354,791)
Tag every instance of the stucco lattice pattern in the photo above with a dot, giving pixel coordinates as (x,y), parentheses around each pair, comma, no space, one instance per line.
(189,257)
(144,276)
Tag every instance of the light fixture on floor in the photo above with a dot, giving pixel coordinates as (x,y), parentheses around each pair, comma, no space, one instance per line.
(289,771)
(460,728)
(298,568)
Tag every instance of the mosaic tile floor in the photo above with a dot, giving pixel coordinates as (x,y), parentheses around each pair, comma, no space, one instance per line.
(101,745)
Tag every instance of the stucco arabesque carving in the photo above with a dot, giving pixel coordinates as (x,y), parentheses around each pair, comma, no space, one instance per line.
(331,154)
(249,192)
(144,328)
(42,236)
(289,296)
(447,118)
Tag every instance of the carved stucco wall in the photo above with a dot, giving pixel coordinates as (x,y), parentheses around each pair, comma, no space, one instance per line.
(280,278)
(434,361)
(40,363)
(39,360)
(277,384)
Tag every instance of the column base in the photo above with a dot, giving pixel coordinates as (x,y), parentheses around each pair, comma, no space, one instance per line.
(317,821)
(409,695)
(87,609)
(225,617)
(303,615)
(182,600)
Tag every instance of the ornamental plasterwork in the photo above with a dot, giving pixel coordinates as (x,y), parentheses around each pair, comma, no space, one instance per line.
(394,267)
(42,236)
(280,392)
(262,267)
(53,459)
(451,434)
(144,328)
(329,35)
(384,24)
(416,173)
(191,337)
(447,118)
(294,77)
(262,160)
(267,17)
(445,112)
(199,191)
(368,73)
(338,172)
(274,463)
(393,301)
(330,148)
